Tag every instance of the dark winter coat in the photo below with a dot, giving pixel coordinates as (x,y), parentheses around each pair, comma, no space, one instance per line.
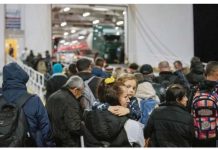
(105,126)
(99,72)
(196,75)
(14,86)
(167,78)
(65,114)
(170,125)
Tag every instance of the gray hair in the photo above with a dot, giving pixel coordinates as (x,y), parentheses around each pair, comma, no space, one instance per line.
(74,82)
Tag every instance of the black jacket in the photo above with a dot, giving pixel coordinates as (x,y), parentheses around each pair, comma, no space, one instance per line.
(170,125)
(167,78)
(196,75)
(65,114)
(105,126)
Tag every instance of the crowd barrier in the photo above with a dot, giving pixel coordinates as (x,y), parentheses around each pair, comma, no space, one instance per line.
(36,81)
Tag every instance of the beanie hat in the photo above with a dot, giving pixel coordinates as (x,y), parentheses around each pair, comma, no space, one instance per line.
(57,68)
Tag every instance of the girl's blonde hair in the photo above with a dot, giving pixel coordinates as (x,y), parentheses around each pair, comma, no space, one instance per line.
(126,76)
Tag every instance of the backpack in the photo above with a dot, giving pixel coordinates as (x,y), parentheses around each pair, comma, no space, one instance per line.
(204,109)
(88,97)
(146,106)
(13,125)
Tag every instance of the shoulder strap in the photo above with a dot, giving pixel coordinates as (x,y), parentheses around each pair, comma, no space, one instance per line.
(2,100)
(22,100)
(90,79)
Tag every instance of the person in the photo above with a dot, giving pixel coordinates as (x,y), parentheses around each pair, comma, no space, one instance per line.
(48,62)
(133,110)
(116,94)
(24,55)
(57,80)
(117,71)
(166,76)
(14,86)
(11,50)
(97,70)
(180,73)
(147,98)
(197,72)
(30,59)
(170,125)
(208,92)
(65,113)
(148,74)
(40,64)
(84,67)
(72,70)
(132,68)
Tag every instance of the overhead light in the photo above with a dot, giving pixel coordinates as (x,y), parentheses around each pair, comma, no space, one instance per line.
(81,37)
(114,19)
(95,38)
(118,33)
(86,14)
(116,28)
(95,22)
(66,33)
(73,31)
(66,43)
(62,41)
(63,24)
(74,42)
(96,30)
(124,12)
(119,23)
(66,9)
(101,9)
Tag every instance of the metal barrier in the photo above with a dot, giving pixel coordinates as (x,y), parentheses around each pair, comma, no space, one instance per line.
(35,84)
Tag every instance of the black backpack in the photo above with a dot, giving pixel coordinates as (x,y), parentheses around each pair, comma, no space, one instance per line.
(13,125)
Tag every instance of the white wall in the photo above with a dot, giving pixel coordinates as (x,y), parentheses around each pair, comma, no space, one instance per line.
(2,40)
(38,27)
(160,32)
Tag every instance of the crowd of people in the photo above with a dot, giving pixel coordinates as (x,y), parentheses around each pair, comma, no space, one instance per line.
(89,106)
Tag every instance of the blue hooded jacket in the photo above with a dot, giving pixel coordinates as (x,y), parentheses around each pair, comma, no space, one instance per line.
(14,86)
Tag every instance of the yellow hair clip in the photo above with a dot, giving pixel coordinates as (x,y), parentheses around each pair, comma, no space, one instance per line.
(109,80)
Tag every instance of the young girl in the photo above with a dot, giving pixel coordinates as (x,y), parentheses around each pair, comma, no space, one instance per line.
(132,109)
(116,96)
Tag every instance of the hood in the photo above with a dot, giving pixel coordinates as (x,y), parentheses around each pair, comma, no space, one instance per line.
(145,90)
(14,81)
(197,68)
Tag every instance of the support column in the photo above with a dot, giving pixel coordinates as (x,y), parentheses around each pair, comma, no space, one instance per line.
(38,28)
(2,36)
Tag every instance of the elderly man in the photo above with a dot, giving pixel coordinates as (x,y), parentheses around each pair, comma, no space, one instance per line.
(65,113)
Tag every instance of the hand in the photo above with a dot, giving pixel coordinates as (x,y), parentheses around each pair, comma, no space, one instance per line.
(119,110)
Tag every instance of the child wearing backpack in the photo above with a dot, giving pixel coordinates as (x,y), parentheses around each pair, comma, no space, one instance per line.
(132,110)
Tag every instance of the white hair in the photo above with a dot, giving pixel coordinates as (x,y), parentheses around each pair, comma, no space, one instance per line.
(75,82)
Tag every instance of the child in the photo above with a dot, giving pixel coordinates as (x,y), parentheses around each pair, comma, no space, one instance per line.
(132,110)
